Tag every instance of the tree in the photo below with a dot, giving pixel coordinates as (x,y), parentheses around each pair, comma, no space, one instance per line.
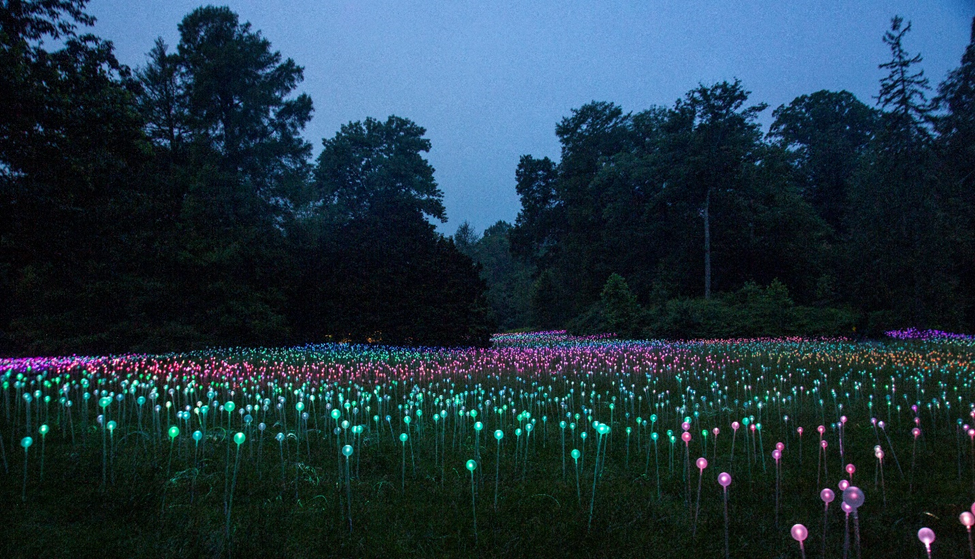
(715,137)
(71,150)
(370,167)
(379,271)
(826,132)
(620,306)
(956,143)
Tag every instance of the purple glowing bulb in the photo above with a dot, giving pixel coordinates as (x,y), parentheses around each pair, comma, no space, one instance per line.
(724,480)
(702,463)
(776,454)
(827,495)
(853,496)
(799,533)
(926,535)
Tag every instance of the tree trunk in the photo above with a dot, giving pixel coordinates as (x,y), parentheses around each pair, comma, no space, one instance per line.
(707,247)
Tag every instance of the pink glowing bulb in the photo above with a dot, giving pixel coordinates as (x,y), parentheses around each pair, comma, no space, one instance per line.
(752,427)
(850,469)
(827,495)
(967,520)
(880,423)
(780,446)
(971,434)
(702,463)
(799,533)
(799,430)
(716,431)
(873,421)
(685,426)
(686,437)
(973,508)
(916,432)
(735,425)
(914,408)
(823,444)
(926,535)
(845,507)
(821,429)
(724,480)
(843,419)
(843,484)
(776,454)
(853,497)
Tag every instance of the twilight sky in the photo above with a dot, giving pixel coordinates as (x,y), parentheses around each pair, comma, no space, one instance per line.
(489,80)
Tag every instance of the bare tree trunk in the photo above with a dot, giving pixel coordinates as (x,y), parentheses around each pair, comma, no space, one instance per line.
(707,247)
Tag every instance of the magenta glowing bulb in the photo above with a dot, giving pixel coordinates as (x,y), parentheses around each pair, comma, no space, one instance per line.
(926,535)
(843,484)
(685,426)
(853,497)
(702,463)
(780,446)
(735,425)
(827,495)
(799,430)
(823,444)
(724,480)
(776,454)
(686,437)
(821,429)
(916,432)
(845,507)
(850,469)
(799,533)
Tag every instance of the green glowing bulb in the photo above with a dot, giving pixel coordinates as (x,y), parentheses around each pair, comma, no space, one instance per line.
(653,418)
(300,406)
(104,402)
(173,432)
(347,450)
(471,466)
(44,429)
(239,438)
(111,426)
(26,442)
(403,437)
(654,436)
(336,414)
(478,426)
(407,420)
(229,406)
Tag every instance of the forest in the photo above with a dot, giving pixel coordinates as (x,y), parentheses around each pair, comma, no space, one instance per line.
(689,221)
(176,206)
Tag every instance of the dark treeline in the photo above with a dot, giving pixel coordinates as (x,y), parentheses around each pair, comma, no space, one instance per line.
(689,221)
(176,206)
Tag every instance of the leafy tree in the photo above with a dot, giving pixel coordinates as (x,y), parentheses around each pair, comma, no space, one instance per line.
(956,143)
(380,272)
(620,307)
(715,138)
(826,132)
(71,150)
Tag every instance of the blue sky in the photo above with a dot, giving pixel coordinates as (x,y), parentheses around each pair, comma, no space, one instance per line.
(490,80)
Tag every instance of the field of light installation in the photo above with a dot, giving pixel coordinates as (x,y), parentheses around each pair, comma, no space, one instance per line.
(543,445)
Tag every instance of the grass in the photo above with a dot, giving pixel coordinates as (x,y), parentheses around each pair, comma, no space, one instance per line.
(538,514)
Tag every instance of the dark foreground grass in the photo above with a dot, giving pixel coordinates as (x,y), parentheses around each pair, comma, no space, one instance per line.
(145,512)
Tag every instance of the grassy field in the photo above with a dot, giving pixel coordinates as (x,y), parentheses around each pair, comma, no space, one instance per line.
(136,488)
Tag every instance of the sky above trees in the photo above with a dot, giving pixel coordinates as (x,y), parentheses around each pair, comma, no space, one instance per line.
(489,82)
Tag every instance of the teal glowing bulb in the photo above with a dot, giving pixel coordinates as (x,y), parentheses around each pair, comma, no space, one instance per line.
(44,429)
(300,406)
(336,414)
(26,442)
(478,426)
(576,454)
(499,434)
(471,466)
(104,401)
(403,437)
(239,438)
(347,450)
(173,432)
(111,426)
(197,435)
(229,406)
